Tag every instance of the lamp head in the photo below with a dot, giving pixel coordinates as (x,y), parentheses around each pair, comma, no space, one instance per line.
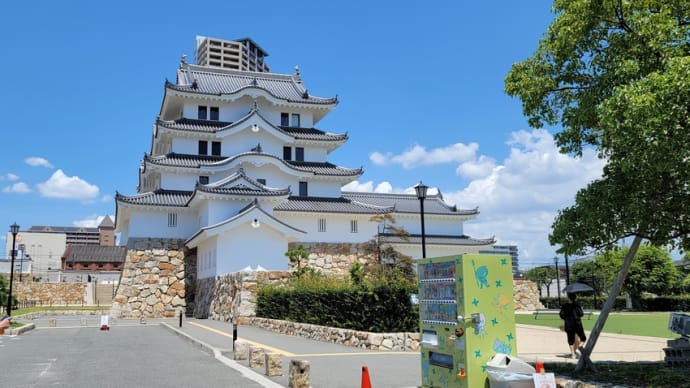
(421,189)
(14,229)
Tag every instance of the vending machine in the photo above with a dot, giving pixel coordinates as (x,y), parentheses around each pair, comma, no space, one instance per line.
(466,316)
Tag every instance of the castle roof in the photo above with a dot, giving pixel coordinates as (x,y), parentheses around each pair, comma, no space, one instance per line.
(409,203)
(94,254)
(218,81)
(329,205)
(197,161)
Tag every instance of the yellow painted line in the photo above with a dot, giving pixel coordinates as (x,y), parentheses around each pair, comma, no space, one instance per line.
(272,349)
(288,354)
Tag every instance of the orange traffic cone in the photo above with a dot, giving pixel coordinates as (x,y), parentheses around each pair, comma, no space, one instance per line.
(366,383)
(539,366)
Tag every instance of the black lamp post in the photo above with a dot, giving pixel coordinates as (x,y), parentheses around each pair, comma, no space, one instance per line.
(14,229)
(567,271)
(421,189)
(558,278)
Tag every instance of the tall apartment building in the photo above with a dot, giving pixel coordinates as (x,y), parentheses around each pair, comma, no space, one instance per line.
(242,54)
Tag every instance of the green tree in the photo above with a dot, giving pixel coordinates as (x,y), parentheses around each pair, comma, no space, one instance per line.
(296,255)
(543,276)
(615,75)
(652,271)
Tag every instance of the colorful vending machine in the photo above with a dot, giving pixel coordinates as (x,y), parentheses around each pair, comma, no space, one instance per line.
(466,316)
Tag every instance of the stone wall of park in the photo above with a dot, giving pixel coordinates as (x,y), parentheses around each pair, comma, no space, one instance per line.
(232,297)
(526,295)
(48,294)
(334,259)
(155,280)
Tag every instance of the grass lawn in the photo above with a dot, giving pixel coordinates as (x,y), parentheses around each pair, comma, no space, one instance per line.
(651,324)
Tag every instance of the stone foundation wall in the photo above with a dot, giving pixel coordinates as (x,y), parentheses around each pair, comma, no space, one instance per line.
(232,297)
(358,339)
(50,293)
(526,295)
(334,259)
(153,282)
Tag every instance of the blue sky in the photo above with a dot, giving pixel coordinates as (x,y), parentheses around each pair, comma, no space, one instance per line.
(420,87)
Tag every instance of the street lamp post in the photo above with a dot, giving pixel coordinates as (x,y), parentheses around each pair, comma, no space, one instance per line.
(567,271)
(421,189)
(558,278)
(14,229)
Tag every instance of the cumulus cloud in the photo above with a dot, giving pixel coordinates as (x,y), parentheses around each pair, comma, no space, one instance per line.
(368,187)
(9,177)
(65,187)
(520,198)
(420,156)
(91,221)
(36,161)
(17,188)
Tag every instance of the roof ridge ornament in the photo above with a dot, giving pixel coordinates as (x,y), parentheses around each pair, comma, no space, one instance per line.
(257,148)
(183,60)
(305,95)
(195,84)
(255,82)
(297,76)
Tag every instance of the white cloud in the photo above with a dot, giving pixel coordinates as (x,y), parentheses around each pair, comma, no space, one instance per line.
(36,161)
(91,222)
(64,187)
(519,199)
(9,177)
(368,187)
(475,169)
(419,156)
(17,188)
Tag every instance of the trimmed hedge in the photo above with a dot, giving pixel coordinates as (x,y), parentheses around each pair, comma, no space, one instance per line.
(659,303)
(380,309)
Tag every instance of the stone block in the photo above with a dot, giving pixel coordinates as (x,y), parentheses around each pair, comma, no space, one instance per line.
(274,364)
(299,374)
(256,357)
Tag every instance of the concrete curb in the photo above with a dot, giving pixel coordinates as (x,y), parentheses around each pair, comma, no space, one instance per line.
(218,355)
(20,330)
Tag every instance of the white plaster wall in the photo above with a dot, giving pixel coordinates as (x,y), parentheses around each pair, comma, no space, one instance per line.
(337,227)
(178,181)
(155,224)
(217,211)
(246,246)
(245,140)
(321,188)
(185,146)
(432,224)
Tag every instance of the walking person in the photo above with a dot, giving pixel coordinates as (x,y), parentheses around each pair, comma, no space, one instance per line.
(571,313)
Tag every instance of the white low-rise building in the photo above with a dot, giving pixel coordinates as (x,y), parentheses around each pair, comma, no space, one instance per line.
(237,169)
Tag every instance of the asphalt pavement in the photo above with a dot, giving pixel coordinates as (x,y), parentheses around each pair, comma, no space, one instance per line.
(331,365)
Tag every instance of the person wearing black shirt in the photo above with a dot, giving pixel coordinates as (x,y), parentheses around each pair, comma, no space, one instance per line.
(571,313)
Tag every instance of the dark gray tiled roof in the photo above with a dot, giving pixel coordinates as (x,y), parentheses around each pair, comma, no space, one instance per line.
(240,184)
(62,229)
(217,81)
(312,134)
(95,253)
(157,198)
(210,126)
(184,160)
(329,205)
(197,161)
(408,203)
(436,240)
(194,125)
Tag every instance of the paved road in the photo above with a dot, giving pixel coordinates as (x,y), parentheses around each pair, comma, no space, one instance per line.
(125,356)
(188,353)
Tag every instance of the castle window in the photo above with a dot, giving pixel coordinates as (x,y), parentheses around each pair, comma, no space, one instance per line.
(262,181)
(303,192)
(172,220)
(287,153)
(299,154)
(294,121)
(203,180)
(208,113)
(322,224)
(353,226)
(285,119)
(215,148)
(203,147)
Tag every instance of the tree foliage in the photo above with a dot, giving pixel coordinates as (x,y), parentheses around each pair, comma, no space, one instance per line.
(651,272)
(615,75)
(543,276)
